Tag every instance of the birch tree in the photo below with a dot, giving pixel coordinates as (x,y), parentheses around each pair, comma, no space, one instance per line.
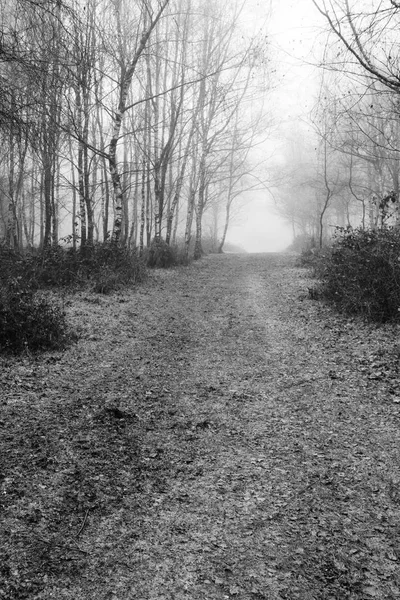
(148,21)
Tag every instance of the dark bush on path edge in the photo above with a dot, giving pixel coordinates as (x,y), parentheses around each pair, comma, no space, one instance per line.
(361,273)
(161,255)
(315,259)
(29,322)
(111,267)
(104,267)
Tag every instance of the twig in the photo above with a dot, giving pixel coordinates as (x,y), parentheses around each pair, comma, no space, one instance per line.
(64,546)
(79,549)
(83,524)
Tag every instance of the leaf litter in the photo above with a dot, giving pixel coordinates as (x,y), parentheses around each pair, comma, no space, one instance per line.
(213,434)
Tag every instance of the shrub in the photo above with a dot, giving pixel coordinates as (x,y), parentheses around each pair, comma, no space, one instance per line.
(111,267)
(60,267)
(315,259)
(29,322)
(11,263)
(32,322)
(106,281)
(161,255)
(54,267)
(362,273)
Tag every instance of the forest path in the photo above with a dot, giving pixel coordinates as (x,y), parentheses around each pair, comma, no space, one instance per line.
(226,437)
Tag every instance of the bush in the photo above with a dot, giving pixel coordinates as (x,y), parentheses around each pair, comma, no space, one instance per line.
(315,259)
(11,264)
(32,322)
(106,281)
(111,267)
(28,322)
(161,255)
(362,273)
(59,267)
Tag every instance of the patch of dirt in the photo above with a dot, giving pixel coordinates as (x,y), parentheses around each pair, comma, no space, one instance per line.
(213,434)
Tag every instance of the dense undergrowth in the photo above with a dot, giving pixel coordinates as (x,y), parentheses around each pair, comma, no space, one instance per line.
(30,320)
(103,267)
(164,256)
(360,272)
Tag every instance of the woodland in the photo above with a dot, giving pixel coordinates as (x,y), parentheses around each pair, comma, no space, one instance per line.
(342,158)
(151,124)
(182,429)
(125,121)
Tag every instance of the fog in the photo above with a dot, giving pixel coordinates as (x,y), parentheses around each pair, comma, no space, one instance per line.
(261,230)
(292,28)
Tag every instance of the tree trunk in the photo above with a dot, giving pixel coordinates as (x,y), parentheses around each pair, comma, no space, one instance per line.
(189,221)
(54,200)
(198,248)
(142,209)
(225,230)
(12,218)
(126,80)
(81,191)
(47,197)
(179,185)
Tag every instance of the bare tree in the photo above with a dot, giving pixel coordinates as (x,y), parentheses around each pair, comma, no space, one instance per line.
(149,20)
(358,31)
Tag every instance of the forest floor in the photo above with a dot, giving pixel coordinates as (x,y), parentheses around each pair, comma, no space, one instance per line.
(213,434)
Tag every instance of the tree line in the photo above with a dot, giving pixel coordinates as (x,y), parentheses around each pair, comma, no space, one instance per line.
(124,121)
(345,161)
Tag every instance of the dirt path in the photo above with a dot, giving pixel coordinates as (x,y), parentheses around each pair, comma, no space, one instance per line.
(216,434)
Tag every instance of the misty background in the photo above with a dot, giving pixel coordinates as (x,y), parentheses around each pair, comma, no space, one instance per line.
(191,127)
(291,29)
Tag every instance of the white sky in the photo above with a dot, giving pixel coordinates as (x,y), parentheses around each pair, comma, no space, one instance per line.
(293,31)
